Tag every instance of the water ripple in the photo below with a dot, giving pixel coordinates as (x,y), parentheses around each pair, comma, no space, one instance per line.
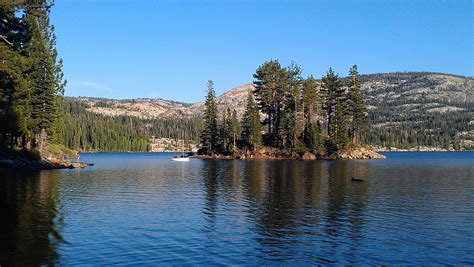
(133,208)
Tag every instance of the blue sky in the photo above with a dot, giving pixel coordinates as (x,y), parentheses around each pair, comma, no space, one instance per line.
(169,49)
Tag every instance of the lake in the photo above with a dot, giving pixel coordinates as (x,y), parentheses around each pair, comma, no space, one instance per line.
(141,208)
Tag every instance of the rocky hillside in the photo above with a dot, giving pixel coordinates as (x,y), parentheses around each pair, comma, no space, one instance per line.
(419,92)
(234,99)
(143,108)
(410,103)
(146,108)
(407,92)
(428,106)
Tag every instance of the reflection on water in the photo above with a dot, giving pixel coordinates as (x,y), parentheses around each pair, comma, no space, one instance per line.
(29,228)
(145,209)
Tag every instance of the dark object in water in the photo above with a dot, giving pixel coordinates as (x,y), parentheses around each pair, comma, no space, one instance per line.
(357,180)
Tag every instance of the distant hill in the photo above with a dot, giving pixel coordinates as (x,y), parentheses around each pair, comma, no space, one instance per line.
(428,109)
(147,108)
(407,109)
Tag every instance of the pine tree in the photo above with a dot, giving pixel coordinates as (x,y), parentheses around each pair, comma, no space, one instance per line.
(341,135)
(251,126)
(292,107)
(225,129)
(45,71)
(314,137)
(15,103)
(269,92)
(358,108)
(210,129)
(311,103)
(229,129)
(236,129)
(331,91)
(30,75)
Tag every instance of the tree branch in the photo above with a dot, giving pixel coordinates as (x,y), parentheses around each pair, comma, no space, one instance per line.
(6,41)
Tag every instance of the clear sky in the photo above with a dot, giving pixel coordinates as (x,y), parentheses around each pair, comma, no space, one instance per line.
(169,49)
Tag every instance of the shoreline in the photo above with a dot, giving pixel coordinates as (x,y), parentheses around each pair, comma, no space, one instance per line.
(395,151)
(375,150)
(269,153)
(413,149)
(42,164)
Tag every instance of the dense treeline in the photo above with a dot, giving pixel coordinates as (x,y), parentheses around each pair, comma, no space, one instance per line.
(423,129)
(87,131)
(184,128)
(31,80)
(299,114)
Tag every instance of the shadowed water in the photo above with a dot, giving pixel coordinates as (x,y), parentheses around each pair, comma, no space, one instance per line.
(142,208)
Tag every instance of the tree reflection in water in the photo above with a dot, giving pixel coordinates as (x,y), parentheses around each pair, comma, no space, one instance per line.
(292,204)
(29,204)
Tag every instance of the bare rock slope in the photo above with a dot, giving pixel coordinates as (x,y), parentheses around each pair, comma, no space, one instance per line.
(407,92)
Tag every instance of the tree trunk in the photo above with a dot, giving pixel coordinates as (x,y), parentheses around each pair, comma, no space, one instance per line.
(329,122)
(233,147)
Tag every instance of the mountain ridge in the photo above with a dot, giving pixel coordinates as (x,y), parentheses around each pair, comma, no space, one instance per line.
(248,84)
(419,108)
(435,90)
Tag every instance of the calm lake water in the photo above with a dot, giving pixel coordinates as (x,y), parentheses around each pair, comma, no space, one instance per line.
(142,208)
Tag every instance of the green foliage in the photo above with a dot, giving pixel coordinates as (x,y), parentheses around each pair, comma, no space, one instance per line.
(314,137)
(225,130)
(311,108)
(269,92)
(30,76)
(292,107)
(358,108)
(341,133)
(251,126)
(331,92)
(60,150)
(210,129)
(87,131)
(236,129)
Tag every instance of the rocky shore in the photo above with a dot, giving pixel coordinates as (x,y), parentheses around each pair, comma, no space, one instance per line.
(266,153)
(413,149)
(43,164)
(356,153)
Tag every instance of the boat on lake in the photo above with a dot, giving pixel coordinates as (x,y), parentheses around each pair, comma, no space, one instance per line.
(182,156)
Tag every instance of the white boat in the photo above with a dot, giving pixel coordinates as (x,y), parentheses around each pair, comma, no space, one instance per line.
(180,158)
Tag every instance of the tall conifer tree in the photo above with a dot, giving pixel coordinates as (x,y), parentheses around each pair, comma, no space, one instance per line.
(331,91)
(358,108)
(251,126)
(236,129)
(31,75)
(269,92)
(210,129)
(311,103)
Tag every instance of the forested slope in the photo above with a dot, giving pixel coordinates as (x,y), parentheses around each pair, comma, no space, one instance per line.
(420,109)
(89,131)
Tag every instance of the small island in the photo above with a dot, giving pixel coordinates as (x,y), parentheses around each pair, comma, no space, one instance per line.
(289,117)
